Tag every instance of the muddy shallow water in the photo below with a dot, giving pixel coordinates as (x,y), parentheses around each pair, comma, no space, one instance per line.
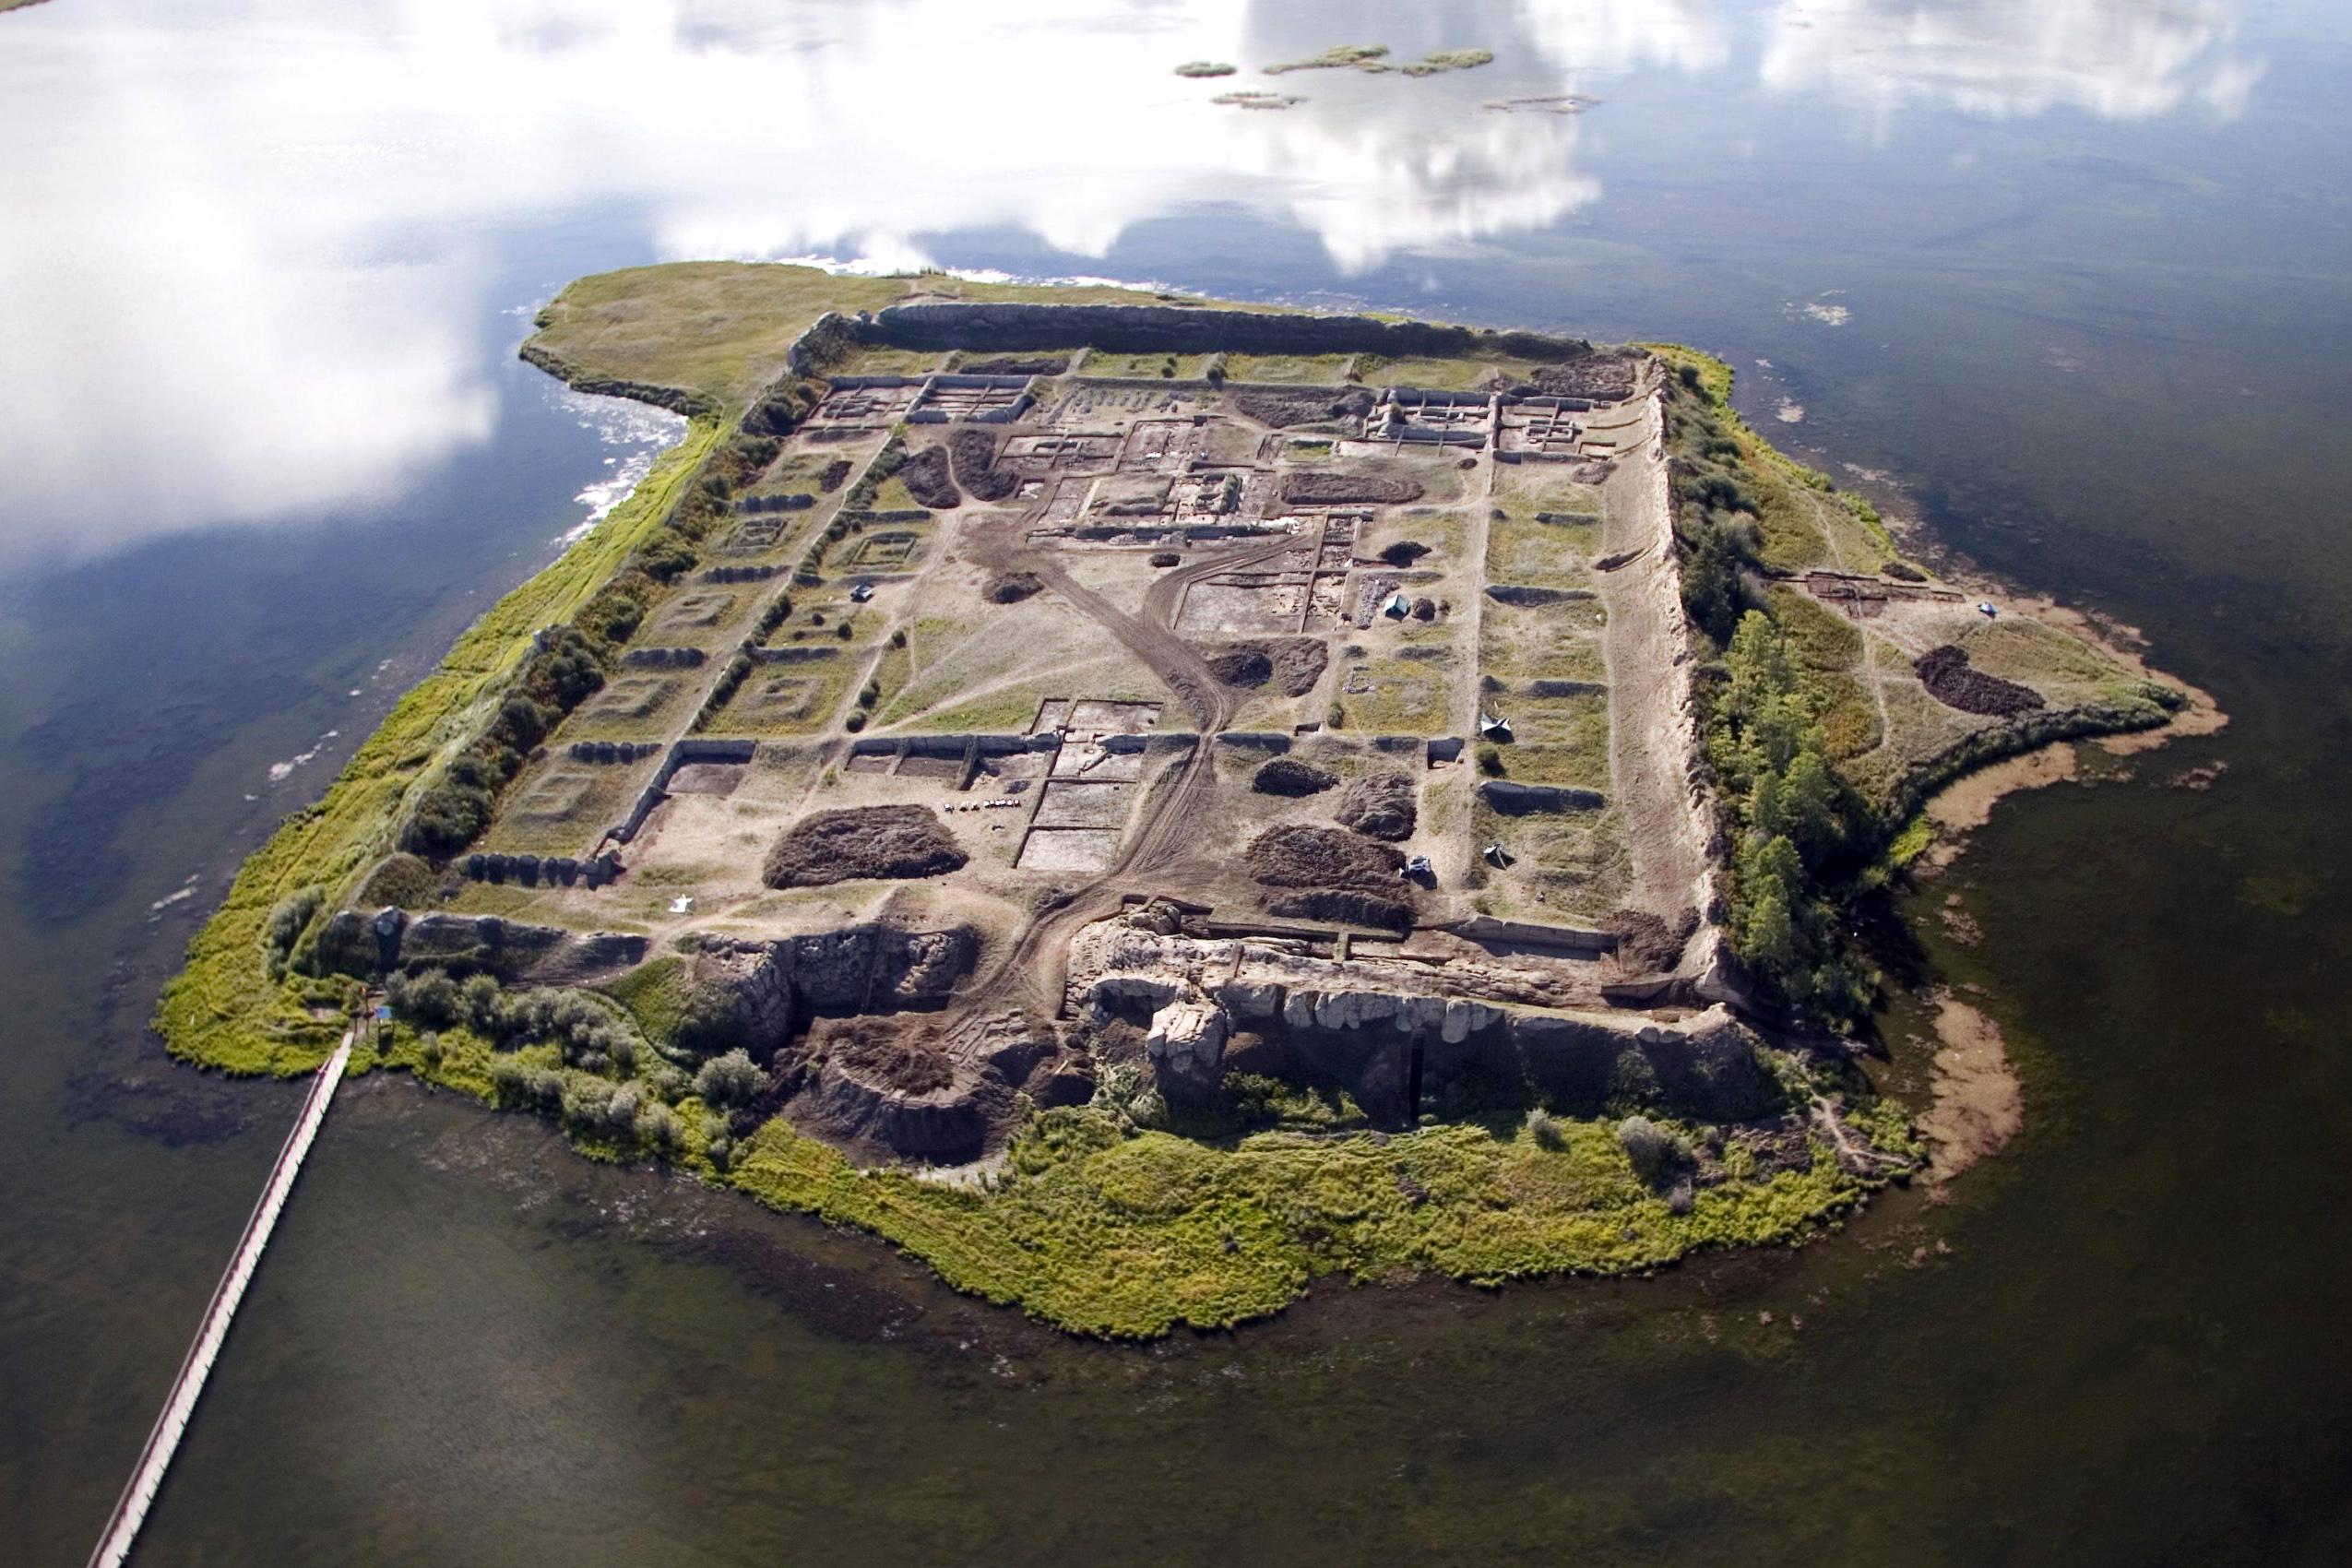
(2069,281)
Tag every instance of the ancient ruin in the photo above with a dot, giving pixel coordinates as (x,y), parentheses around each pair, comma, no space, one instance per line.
(1189,718)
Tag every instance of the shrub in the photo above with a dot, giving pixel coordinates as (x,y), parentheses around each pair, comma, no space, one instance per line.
(855,722)
(1653,1152)
(731,1079)
(1491,760)
(289,917)
(1546,1130)
(430,999)
(899,638)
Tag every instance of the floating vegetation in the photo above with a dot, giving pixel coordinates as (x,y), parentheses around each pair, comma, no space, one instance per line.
(1256,100)
(1342,56)
(1204,68)
(1545,104)
(1373,58)
(1450,60)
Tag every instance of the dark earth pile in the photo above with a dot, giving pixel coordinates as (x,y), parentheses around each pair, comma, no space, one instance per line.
(1404,552)
(1326,859)
(1010,365)
(1604,378)
(1331,490)
(925,475)
(1015,587)
(1293,664)
(1349,907)
(1650,943)
(974,451)
(1380,805)
(1288,776)
(885,1051)
(864,841)
(1946,675)
(834,473)
(1281,408)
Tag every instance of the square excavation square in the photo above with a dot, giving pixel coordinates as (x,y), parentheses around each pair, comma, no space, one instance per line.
(1069,848)
(695,611)
(556,798)
(1068,805)
(630,698)
(1095,716)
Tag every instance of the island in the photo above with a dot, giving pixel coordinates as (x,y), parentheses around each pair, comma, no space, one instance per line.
(1145,803)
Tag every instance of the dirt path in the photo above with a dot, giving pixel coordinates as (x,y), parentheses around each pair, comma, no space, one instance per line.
(1034,968)
(1645,647)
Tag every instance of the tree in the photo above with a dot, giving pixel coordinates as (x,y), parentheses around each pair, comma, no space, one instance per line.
(1711,583)
(1809,805)
(1767,935)
(731,1079)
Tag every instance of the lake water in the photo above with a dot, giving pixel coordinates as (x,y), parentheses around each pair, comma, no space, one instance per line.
(2072,274)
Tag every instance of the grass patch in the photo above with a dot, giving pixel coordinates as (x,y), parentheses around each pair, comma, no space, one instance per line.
(1295,369)
(1129,1235)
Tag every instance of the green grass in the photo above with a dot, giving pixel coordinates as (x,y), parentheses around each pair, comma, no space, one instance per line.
(1129,1236)
(223,1010)
(1143,367)
(1315,369)
(716,329)
(1002,712)
(655,995)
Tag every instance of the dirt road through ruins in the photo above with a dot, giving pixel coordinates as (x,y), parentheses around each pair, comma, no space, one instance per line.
(1032,971)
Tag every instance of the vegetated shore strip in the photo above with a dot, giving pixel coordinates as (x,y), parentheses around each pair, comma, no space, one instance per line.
(1217,1259)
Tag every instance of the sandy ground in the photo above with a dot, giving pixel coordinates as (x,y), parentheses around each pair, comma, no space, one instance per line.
(1653,734)
(1978,1104)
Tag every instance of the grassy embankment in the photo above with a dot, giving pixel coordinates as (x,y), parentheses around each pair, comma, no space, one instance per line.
(1823,739)
(701,336)
(1096,1223)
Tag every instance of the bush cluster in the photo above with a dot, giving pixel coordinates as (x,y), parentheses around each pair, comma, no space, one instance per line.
(572,661)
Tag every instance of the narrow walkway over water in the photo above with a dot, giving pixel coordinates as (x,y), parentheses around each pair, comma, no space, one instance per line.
(130,1510)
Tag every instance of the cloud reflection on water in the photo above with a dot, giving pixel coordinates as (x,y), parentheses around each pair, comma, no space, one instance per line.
(247,265)
(2008,59)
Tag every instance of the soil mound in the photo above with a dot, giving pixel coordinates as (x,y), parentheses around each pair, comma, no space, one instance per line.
(1380,805)
(1012,365)
(1292,664)
(863,842)
(885,1052)
(974,452)
(1334,489)
(1649,943)
(1015,587)
(1288,776)
(1349,907)
(1946,673)
(1324,858)
(834,473)
(1284,408)
(1605,378)
(925,475)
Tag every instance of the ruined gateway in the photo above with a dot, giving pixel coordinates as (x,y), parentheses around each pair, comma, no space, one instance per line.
(1054,734)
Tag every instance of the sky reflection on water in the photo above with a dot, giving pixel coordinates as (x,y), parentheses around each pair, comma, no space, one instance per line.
(254,268)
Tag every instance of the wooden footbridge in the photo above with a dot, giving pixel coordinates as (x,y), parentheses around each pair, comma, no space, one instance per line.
(130,1510)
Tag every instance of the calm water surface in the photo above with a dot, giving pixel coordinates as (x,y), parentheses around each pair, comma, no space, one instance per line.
(2069,275)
